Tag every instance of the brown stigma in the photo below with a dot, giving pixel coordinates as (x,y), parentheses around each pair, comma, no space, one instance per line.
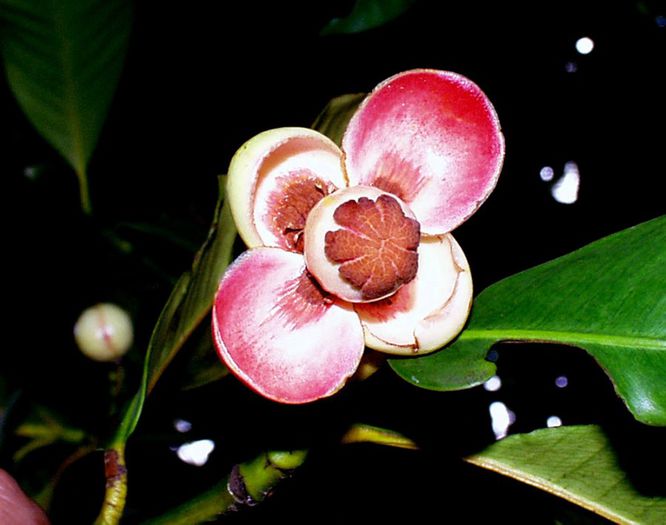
(376,247)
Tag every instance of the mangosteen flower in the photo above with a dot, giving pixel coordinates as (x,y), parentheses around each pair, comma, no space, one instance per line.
(350,247)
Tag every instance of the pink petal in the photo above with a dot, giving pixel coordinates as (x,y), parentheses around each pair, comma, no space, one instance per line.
(273,180)
(280,333)
(433,139)
(427,313)
(15,507)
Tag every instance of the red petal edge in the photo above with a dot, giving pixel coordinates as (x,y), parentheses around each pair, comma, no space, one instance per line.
(280,333)
(433,139)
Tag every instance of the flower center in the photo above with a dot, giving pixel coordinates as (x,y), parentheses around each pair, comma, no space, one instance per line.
(361,244)
(290,205)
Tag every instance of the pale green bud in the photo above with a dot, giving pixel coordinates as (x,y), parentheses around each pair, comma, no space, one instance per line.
(104,332)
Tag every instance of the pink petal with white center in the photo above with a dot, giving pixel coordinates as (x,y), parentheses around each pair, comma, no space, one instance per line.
(431,138)
(274,180)
(427,313)
(280,333)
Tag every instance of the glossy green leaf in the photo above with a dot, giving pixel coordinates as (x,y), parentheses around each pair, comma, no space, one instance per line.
(335,117)
(463,365)
(367,14)
(608,297)
(63,60)
(578,464)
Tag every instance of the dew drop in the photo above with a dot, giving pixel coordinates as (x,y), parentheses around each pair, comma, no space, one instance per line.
(546,173)
(565,189)
(553,421)
(584,45)
(196,452)
(501,419)
(561,381)
(493,384)
(182,425)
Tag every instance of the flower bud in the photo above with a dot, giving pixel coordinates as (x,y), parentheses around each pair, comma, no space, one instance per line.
(104,332)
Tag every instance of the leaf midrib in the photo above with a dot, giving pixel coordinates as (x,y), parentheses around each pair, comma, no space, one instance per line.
(561,336)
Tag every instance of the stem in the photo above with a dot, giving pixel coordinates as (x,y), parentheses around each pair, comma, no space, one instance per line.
(84,192)
(116,486)
(251,482)
(115,470)
(246,485)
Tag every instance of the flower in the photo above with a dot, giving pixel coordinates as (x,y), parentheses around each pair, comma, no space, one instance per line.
(350,246)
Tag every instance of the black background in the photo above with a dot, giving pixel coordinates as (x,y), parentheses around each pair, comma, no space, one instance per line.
(203,77)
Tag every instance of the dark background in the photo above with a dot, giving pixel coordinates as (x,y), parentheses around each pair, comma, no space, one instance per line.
(203,77)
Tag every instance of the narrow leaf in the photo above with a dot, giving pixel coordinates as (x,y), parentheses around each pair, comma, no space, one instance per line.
(367,14)
(608,298)
(185,310)
(333,119)
(63,59)
(362,433)
(578,464)
(189,303)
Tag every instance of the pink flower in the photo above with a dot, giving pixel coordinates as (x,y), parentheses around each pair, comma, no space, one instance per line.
(350,247)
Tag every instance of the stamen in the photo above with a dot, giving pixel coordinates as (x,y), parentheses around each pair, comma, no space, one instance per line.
(290,205)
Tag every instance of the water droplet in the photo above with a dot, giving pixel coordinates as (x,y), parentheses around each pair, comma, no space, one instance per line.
(493,384)
(181,425)
(553,421)
(571,67)
(565,189)
(584,45)
(196,452)
(547,173)
(561,381)
(501,419)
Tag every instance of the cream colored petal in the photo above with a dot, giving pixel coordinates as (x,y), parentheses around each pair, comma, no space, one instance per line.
(428,312)
(264,165)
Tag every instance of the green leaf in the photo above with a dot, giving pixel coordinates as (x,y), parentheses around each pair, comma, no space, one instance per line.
(578,464)
(63,59)
(185,310)
(462,365)
(187,307)
(608,298)
(333,119)
(367,14)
